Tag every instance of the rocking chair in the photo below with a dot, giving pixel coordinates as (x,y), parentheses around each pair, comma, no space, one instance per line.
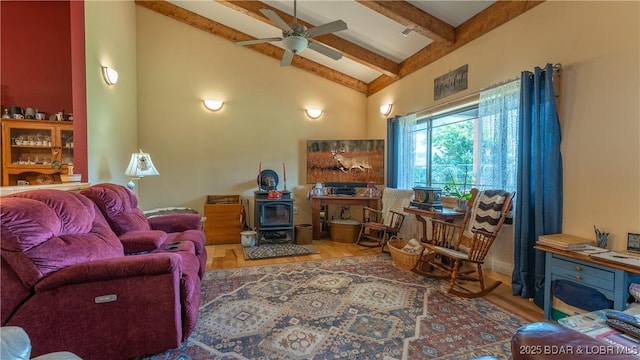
(454,249)
(378,226)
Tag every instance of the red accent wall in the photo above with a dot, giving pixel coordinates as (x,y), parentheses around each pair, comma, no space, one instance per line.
(42,63)
(36,55)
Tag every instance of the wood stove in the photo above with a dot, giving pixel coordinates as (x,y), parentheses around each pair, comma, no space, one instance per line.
(274,218)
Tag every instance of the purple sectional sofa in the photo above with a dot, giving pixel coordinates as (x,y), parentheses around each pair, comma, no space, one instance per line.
(73,285)
(119,205)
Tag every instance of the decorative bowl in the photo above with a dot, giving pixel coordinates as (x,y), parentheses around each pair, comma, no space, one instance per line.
(70,178)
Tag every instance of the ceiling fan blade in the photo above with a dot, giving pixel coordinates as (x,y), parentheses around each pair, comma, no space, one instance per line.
(258,41)
(287,58)
(326,51)
(276,19)
(333,26)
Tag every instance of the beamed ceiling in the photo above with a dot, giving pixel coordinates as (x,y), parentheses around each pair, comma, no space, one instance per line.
(375,51)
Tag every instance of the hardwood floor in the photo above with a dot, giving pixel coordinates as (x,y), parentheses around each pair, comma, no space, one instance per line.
(230,256)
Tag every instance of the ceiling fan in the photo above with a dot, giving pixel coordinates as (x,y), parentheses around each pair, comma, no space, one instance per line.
(296,37)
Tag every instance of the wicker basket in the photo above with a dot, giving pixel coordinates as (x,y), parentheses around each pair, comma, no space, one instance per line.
(402,259)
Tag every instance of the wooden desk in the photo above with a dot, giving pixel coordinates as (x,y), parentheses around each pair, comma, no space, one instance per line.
(609,278)
(446,214)
(317,201)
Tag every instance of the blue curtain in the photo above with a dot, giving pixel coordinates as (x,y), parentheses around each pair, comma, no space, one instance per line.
(393,151)
(539,188)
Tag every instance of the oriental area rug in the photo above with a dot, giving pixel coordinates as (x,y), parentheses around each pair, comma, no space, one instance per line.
(347,308)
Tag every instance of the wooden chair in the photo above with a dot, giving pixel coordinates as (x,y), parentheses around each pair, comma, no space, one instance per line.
(455,249)
(378,226)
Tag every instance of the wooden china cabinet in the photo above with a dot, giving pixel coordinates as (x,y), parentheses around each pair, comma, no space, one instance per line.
(35,151)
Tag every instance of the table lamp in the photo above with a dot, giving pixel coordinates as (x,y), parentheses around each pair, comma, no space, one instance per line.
(140,166)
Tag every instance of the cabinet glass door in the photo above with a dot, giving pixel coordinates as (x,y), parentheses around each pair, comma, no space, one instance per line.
(31,146)
(66,142)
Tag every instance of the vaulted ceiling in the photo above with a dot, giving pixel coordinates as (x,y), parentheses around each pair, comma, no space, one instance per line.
(384,40)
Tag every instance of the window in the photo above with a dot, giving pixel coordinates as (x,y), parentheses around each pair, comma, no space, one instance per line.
(470,145)
(445,149)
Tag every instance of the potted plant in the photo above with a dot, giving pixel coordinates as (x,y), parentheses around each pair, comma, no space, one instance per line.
(460,193)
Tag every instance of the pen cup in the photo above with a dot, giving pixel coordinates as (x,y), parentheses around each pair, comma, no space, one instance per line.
(602,240)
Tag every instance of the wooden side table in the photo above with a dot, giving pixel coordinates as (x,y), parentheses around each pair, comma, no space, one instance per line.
(318,201)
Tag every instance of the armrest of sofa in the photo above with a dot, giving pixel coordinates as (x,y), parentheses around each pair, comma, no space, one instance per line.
(142,240)
(110,269)
(542,340)
(178,222)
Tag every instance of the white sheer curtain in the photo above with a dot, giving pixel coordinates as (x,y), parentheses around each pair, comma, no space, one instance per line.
(497,163)
(407,153)
(406,165)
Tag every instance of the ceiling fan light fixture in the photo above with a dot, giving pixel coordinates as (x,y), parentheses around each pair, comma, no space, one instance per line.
(296,37)
(295,44)
(385,109)
(313,113)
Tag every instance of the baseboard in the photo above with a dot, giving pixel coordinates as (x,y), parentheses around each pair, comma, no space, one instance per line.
(502,269)
(505,279)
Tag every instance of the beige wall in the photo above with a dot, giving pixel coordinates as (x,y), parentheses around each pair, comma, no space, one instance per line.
(598,46)
(112,130)
(200,152)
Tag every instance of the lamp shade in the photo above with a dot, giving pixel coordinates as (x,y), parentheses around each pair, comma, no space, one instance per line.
(313,113)
(110,75)
(385,109)
(141,165)
(295,44)
(213,105)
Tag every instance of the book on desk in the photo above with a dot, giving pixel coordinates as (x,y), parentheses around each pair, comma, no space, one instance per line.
(586,247)
(564,242)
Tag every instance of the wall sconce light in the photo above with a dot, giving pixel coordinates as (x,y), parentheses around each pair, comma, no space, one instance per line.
(313,113)
(213,105)
(386,109)
(140,166)
(110,75)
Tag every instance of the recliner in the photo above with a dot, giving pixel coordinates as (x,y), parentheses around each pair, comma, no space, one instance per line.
(67,282)
(138,234)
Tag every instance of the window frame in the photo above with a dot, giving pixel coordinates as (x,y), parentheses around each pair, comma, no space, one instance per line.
(426,123)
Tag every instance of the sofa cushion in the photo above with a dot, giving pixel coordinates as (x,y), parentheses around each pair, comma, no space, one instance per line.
(119,205)
(47,230)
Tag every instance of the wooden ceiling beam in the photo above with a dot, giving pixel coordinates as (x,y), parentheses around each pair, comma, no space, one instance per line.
(348,49)
(490,18)
(414,18)
(215,28)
